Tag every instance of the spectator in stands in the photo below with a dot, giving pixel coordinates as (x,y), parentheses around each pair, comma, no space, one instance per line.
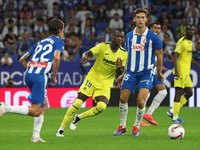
(165,29)
(169,46)
(25,28)
(10,16)
(71,57)
(81,14)
(148,23)
(70,4)
(10,25)
(72,14)
(2,49)
(9,83)
(102,13)
(65,55)
(69,23)
(188,10)
(153,18)
(26,9)
(24,45)
(10,42)
(196,54)
(39,28)
(107,34)
(163,16)
(130,7)
(88,31)
(178,12)
(116,22)
(167,22)
(11,6)
(194,20)
(30,3)
(6,60)
(195,40)
(41,11)
(180,29)
(56,15)
(56,10)
(172,2)
(74,44)
(147,4)
(100,38)
(116,10)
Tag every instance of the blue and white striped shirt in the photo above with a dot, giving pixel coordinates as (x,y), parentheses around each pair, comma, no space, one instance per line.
(42,55)
(141,50)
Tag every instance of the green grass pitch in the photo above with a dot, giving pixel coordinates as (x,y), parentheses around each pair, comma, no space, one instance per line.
(96,133)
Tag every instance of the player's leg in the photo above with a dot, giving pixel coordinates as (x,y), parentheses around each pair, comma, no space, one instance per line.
(162,92)
(123,110)
(37,126)
(70,112)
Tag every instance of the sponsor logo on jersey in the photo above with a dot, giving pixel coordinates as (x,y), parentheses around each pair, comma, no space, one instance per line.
(109,62)
(106,53)
(178,47)
(138,47)
(37,64)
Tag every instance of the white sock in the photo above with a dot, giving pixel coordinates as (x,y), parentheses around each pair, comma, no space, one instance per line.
(23,110)
(147,98)
(61,128)
(123,110)
(171,110)
(38,121)
(139,116)
(156,101)
(175,117)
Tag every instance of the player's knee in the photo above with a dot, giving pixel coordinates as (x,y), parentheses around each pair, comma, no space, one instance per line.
(163,93)
(101,106)
(190,93)
(123,99)
(140,104)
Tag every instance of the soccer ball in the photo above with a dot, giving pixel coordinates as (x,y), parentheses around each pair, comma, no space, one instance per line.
(176,131)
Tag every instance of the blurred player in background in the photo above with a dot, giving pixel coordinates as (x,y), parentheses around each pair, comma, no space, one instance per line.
(159,86)
(38,63)
(142,45)
(111,58)
(182,81)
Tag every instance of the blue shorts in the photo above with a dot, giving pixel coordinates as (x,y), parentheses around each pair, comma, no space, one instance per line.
(155,80)
(140,80)
(37,84)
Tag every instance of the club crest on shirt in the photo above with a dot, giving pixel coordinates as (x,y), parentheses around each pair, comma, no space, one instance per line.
(138,47)
(178,47)
(145,41)
(84,88)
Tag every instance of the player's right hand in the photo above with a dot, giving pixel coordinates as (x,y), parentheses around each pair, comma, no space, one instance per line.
(54,81)
(160,77)
(176,75)
(119,80)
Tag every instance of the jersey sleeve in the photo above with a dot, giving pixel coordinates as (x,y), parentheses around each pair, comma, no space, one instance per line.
(59,45)
(179,47)
(125,44)
(31,51)
(98,48)
(125,58)
(157,43)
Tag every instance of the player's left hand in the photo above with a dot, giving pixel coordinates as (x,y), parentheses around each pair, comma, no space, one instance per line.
(119,62)
(160,77)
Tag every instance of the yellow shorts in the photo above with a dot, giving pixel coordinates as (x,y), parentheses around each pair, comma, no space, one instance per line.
(183,82)
(89,89)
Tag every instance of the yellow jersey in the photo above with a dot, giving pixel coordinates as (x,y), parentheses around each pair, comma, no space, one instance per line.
(103,71)
(184,48)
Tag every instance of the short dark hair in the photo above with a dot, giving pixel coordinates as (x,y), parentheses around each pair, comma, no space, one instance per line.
(156,22)
(140,10)
(10,21)
(54,25)
(118,29)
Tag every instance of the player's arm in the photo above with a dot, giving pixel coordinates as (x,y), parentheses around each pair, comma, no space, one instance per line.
(176,55)
(119,79)
(159,64)
(86,55)
(163,68)
(56,63)
(193,62)
(24,60)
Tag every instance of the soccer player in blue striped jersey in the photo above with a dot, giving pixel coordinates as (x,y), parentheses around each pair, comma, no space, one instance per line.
(38,62)
(142,45)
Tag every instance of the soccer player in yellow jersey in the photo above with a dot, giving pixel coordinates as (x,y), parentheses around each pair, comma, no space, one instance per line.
(111,58)
(182,81)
